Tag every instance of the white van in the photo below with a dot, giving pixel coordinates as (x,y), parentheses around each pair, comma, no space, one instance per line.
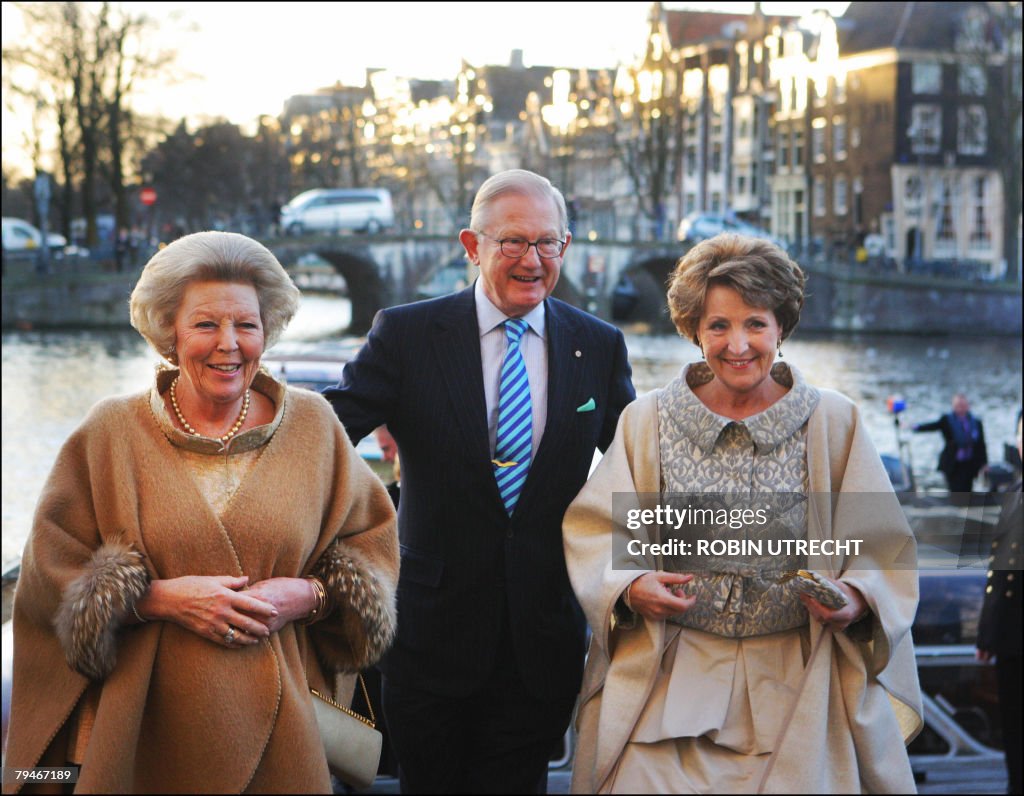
(337,209)
(19,235)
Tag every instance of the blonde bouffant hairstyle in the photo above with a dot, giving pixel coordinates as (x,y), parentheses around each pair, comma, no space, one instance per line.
(209,257)
(761,272)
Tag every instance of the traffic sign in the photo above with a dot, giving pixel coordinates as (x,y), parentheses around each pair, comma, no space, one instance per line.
(147,196)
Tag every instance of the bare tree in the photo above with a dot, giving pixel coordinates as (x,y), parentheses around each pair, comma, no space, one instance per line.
(648,126)
(84,65)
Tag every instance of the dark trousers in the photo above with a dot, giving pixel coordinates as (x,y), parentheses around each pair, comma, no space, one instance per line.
(498,740)
(1008,673)
(960,479)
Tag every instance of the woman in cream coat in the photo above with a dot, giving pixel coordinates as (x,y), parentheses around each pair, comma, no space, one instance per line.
(726,678)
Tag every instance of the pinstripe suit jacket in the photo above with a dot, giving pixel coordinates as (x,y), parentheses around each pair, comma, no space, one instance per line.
(464,560)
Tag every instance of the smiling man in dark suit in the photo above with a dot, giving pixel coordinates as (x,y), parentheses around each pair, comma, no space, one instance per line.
(497,397)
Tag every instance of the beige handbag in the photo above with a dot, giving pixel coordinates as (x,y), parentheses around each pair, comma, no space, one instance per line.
(351,741)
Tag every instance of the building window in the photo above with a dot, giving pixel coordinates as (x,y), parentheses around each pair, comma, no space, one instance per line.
(981,230)
(783,148)
(691,203)
(818,140)
(716,158)
(743,56)
(927,78)
(925,131)
(800,95)
(741,184)
(839,204)
(972,130)
(716,202)
(945,233)
(971,80)
(798,148)
(819,196)
(912,190)
(839,137)
(691,161)
(839,90)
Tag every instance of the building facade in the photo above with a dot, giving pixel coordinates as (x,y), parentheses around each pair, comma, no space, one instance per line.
(884,137)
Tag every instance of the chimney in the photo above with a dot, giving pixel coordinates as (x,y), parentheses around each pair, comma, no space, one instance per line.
(516,61)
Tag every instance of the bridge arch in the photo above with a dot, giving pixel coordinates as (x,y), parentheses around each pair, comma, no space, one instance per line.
(367,291)
(639,294)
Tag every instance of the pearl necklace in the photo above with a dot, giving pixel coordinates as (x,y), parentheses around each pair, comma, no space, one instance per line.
(185,424)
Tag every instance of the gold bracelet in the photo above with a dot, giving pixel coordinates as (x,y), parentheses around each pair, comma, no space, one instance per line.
(320,593)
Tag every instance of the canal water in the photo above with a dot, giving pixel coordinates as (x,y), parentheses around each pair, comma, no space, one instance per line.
(51,379)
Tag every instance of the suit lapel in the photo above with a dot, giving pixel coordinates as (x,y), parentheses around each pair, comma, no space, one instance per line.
(565,371)
(457,347)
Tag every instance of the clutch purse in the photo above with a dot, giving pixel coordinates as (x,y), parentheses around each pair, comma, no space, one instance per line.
(814,585)
(743,603)
(352,742)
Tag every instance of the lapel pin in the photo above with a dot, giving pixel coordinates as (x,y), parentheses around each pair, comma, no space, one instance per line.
(579,354)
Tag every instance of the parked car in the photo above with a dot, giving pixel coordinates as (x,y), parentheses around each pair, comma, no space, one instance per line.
(699,226)
(19,235)
(339,209)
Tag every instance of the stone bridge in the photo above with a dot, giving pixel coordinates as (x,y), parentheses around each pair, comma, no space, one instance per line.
(385,270)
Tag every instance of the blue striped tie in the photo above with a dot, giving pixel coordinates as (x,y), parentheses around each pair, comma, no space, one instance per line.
(514,440)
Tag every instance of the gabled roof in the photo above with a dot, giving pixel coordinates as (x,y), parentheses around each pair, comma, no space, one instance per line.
(509,86)
(687,27)
(903,25)
(428,89)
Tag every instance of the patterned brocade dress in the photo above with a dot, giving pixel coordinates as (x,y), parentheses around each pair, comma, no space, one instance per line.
(719,701)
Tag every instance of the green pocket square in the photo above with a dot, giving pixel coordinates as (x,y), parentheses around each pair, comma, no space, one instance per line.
(589,406)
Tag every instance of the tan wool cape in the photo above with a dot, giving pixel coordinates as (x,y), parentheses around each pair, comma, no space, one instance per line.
(174,712)
(859,701)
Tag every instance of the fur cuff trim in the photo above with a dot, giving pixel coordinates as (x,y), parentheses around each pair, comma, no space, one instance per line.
(362,592)
(95,605)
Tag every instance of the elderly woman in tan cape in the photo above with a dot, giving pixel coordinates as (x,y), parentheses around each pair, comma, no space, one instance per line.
(202,553)
(730,677)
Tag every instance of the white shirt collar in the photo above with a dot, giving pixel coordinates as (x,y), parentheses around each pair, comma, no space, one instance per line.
(488,316)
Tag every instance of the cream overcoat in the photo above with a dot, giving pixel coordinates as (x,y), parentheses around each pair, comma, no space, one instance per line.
(859,701)
(177,712)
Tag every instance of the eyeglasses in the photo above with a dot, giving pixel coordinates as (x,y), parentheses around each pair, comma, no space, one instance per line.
(518,247)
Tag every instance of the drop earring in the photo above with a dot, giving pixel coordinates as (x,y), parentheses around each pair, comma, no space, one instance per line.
(780,349)
(701,350)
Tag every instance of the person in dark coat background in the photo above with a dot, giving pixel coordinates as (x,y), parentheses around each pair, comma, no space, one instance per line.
(999,630)
(964,454)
